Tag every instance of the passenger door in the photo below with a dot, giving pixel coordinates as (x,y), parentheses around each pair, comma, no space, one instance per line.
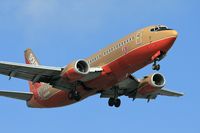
(138,38)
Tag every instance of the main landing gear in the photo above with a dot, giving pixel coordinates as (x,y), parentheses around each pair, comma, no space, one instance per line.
(74,94)
(115,101)
(156,66)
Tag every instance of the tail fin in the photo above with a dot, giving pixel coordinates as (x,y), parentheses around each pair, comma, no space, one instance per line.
(30,58)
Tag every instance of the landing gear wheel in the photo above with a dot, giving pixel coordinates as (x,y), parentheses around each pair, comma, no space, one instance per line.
(156,67)
(111,102)
(114,102)
(117,103)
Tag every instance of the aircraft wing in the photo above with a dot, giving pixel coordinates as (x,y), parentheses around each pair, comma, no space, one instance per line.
(17,95)
(29,72)
(40,73)
(129,88)
(165,92)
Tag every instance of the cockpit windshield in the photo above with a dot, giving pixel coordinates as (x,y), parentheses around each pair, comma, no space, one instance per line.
(159,28)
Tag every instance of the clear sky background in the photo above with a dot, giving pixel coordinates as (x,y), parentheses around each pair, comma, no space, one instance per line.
(60,31)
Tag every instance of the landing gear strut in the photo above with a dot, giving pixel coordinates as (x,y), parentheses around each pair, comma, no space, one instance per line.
(155,65)
(74,94)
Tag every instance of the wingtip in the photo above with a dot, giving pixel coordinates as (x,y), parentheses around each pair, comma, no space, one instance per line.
(181,94)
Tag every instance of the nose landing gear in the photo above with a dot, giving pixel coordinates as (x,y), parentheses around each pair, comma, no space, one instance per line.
(158,56)
(156,66)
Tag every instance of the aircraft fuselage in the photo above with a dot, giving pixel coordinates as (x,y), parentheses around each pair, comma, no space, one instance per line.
(118,61)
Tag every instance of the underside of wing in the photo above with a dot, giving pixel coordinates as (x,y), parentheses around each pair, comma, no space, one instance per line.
(147,88)
(17,95)
(45,74)
(165,92)
(126,87)
(29,72)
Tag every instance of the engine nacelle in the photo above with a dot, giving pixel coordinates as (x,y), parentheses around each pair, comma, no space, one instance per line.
(76,70)
(151,83)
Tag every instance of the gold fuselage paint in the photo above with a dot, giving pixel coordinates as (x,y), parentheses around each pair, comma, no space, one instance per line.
(125,45)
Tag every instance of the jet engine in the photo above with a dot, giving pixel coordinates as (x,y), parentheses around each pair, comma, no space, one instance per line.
(150,84)
(76,70)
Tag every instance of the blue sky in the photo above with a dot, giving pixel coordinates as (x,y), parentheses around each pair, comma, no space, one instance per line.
(60,31)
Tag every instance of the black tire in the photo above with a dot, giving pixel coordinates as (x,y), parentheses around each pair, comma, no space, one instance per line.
(158,67)
(117,103)
(154,67)
(111,102)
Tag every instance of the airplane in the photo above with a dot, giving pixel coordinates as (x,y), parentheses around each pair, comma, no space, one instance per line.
(108,72)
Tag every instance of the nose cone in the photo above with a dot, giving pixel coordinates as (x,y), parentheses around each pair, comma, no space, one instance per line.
(174,33)
(168,43)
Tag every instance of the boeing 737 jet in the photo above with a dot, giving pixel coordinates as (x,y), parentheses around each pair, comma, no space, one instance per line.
(108,72)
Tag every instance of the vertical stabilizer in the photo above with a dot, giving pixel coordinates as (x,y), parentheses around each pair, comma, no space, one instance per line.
(30,58)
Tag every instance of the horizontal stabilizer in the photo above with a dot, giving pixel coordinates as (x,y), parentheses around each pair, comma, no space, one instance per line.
(17,95)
